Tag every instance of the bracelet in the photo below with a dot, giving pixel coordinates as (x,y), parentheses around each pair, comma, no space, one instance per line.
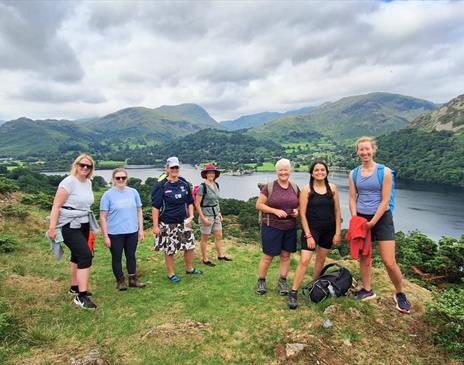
(308,235)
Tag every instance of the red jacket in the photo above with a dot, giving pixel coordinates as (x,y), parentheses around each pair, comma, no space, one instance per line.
(360,239)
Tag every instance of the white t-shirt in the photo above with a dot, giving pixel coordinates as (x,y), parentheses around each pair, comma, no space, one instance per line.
(80,193)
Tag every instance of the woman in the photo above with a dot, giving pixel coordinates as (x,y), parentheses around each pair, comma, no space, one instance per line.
(71,213)
(209,213)
(278,203)
(321,224)
(121,221)
(172,219)
(370,199)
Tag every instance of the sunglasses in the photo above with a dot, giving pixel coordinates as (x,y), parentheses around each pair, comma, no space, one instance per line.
(174,168)
(85,166)
(122,178)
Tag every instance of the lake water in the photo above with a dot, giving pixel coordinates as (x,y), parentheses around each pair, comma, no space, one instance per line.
(436,213)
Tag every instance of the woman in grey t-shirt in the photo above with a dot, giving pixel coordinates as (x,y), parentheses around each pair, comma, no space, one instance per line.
(70,213)
(209,214)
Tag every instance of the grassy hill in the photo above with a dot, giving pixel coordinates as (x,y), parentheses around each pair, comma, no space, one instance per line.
(370,114)
(449,117)
(211,319)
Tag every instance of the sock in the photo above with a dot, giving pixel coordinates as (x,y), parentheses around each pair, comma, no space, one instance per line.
(293,293)
(262,279)
(75,288)
(82,293)
(283,279)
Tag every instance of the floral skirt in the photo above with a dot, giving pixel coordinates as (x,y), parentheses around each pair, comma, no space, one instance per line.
(174,237)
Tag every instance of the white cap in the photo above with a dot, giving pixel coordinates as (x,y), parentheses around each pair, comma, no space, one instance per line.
(172,161)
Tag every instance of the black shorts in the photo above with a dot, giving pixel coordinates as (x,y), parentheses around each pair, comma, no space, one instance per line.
(276,240)
(323,236)
(384,230)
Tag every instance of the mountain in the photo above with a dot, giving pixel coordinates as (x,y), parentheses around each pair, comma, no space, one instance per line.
(2,122)
(256,120)
(449,117)
(160,124)
(27,137)
(371,114)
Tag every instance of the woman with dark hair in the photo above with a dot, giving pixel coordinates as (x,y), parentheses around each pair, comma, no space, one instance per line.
(321,224)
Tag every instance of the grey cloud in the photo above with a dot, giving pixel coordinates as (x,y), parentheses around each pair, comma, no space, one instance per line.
(50,94)
(30,40)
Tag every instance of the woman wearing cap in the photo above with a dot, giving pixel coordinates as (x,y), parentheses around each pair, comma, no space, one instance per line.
(278,202)
(72,215)
(172,204)
(121,222)
(209,213)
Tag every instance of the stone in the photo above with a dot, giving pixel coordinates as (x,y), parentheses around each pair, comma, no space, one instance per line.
(327,323)
(293,349)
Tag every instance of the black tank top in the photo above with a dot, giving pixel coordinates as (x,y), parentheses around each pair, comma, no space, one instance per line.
(321,210)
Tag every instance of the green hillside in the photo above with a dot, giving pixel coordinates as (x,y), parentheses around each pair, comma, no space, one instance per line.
(371,114)
(26,137)
(448,117)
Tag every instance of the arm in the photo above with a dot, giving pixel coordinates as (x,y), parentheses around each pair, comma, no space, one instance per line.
(60,197)
(190,213)
(155,217)
(140,218)
(337,239)
(353,194)
(304,220)
(104,227)
(261,205)
(156,202)
(386,191)
(198,198)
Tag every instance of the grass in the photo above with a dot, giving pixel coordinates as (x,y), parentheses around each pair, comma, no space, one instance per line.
(209,319)
(110,163)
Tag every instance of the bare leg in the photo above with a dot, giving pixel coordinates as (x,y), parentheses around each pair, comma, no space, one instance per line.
(365,273)
(169,260)
(82,276)
(305,258)
(73,267)
(387,253)
(264,264)
(218,243)
(188,260)
(321,255)
(204,247)
(284,263)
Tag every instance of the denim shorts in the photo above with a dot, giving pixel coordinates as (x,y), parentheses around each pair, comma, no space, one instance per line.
(276,240)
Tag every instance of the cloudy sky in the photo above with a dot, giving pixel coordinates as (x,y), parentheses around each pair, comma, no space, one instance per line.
(81,59)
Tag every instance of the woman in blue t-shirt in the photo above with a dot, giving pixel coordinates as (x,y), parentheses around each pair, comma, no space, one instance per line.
(121,223)
(172,204)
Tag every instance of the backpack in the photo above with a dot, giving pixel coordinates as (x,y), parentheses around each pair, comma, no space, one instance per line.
(380,175)
(203,187)
(333,284)
(270,187)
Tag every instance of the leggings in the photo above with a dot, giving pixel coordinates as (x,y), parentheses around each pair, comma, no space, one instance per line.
(128,243)
(77,241)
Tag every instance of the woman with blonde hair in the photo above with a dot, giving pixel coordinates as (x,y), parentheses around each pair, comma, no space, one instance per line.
(121,221)
(370,197)
(71,215)
(278,204)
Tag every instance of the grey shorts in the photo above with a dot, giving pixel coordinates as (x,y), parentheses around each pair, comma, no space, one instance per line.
(207,229)
(384,230)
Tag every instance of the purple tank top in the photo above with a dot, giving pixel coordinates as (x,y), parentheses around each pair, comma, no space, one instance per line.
(369,193)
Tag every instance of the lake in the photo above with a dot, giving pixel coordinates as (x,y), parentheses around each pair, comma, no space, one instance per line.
(435,212)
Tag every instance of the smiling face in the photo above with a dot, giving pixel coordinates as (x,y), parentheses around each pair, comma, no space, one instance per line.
(84,168)
(174,171)
(210,175)
(365,151)
(319,172)
(120,179)
(283,173)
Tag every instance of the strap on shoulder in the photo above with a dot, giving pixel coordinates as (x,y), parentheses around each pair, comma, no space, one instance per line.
(270,187)
(380,173)
(355,176)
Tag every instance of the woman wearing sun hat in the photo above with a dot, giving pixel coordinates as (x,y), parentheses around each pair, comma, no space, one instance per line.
(209,213)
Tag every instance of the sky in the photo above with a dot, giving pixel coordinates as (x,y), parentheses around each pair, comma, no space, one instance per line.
(79,59)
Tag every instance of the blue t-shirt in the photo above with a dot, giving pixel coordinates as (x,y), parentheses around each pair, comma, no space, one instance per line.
(122,210)
(172,200)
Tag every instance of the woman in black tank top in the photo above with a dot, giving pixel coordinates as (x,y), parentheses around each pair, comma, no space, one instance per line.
(321,224)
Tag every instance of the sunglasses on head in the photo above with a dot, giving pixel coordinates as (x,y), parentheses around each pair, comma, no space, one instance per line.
(122,178)
(174,168)
(85,166)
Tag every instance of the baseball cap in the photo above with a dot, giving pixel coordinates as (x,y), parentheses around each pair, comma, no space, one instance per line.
(172,161)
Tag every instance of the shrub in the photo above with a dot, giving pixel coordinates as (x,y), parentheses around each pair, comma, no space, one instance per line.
(16,211)
(7,186)
(446,314)
(8,243)
(8,324)
(41,200)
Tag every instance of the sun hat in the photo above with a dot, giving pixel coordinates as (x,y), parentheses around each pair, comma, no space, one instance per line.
(208,168)
(172,161)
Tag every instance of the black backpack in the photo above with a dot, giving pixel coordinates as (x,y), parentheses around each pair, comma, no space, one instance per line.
(332,284)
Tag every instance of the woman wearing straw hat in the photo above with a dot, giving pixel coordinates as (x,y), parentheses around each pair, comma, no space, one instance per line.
(209,213)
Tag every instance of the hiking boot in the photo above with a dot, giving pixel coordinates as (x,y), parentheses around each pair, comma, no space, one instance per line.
(365,295)
(261,287)
(402,303)
(282,287)
(121,284)
(292,300)
(84,302)
(209,263)
(135,283)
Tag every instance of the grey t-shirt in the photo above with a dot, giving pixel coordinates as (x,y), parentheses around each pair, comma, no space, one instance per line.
(210,204)
(80,193)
